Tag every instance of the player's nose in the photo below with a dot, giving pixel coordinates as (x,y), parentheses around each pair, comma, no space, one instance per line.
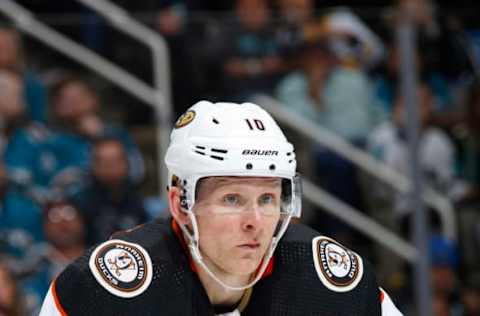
(252,218)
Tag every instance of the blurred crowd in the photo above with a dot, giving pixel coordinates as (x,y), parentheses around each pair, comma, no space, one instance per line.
(72,173)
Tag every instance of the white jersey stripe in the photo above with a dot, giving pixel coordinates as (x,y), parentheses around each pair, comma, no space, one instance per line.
(388,308)
(49,307)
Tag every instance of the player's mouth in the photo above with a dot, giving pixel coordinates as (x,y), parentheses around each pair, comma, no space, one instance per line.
(250,246)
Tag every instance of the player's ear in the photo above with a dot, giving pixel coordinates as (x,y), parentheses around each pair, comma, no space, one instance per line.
(175,207)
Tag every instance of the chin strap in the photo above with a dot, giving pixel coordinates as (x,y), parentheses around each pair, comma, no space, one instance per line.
(202,264)
(193,245)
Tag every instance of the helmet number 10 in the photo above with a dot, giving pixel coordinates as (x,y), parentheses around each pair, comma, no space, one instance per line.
(257,124)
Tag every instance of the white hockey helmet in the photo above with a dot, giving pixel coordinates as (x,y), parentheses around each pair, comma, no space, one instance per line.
(230,139)
(227,139)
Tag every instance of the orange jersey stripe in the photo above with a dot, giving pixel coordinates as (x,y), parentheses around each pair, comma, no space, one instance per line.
(57,301)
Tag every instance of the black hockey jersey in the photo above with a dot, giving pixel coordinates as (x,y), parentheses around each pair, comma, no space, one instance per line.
(148,271)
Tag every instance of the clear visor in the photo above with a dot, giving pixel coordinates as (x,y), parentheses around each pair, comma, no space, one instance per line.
(281,203)
(278,197)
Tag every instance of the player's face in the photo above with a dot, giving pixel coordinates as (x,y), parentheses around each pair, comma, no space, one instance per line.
(237,217)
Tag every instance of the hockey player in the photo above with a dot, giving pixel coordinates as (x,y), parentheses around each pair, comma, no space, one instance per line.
(228,248)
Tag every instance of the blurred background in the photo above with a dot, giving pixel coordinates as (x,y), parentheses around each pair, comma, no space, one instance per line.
(81,141)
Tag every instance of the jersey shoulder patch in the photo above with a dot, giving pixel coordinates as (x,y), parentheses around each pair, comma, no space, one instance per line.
(339,268)
(124,269)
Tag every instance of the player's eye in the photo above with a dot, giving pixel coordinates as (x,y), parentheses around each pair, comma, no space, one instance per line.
(266,199)
(231,199)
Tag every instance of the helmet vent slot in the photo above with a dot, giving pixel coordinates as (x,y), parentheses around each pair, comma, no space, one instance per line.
(214,120)
(215,153)
(221,151)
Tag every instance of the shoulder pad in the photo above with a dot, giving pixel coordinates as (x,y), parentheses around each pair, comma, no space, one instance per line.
(339,268)
(122,268)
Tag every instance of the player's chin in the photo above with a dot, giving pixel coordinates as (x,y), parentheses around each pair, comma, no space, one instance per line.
(245,266)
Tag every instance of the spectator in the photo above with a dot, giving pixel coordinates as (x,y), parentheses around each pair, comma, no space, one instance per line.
(175,22)
(468,198)
(388,143)
(294,14)
(354,43)
(439,29)
(470,295)
(302,91)
(12,58)
(386,81)
(107,197)
(11,115)
(445,259)
(10,299)
(32,161)
(65,232)
(3,185)
(441,306)
(12,108)
(74,105)
(252,62)
(470,147)
(443,57)
(65,235)
(171,18)
(315,92)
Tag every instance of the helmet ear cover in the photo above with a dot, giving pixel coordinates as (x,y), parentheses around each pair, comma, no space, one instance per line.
(175,182)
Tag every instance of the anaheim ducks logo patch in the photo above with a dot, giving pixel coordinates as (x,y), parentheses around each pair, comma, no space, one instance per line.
(122,268)
(185,119)
(339,268)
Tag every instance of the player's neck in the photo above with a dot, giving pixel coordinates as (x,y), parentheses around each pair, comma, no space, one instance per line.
(218,294)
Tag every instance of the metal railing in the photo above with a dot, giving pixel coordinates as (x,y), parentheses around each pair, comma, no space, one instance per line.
(158,96)
(359,221)
(120,19)
(363,160)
